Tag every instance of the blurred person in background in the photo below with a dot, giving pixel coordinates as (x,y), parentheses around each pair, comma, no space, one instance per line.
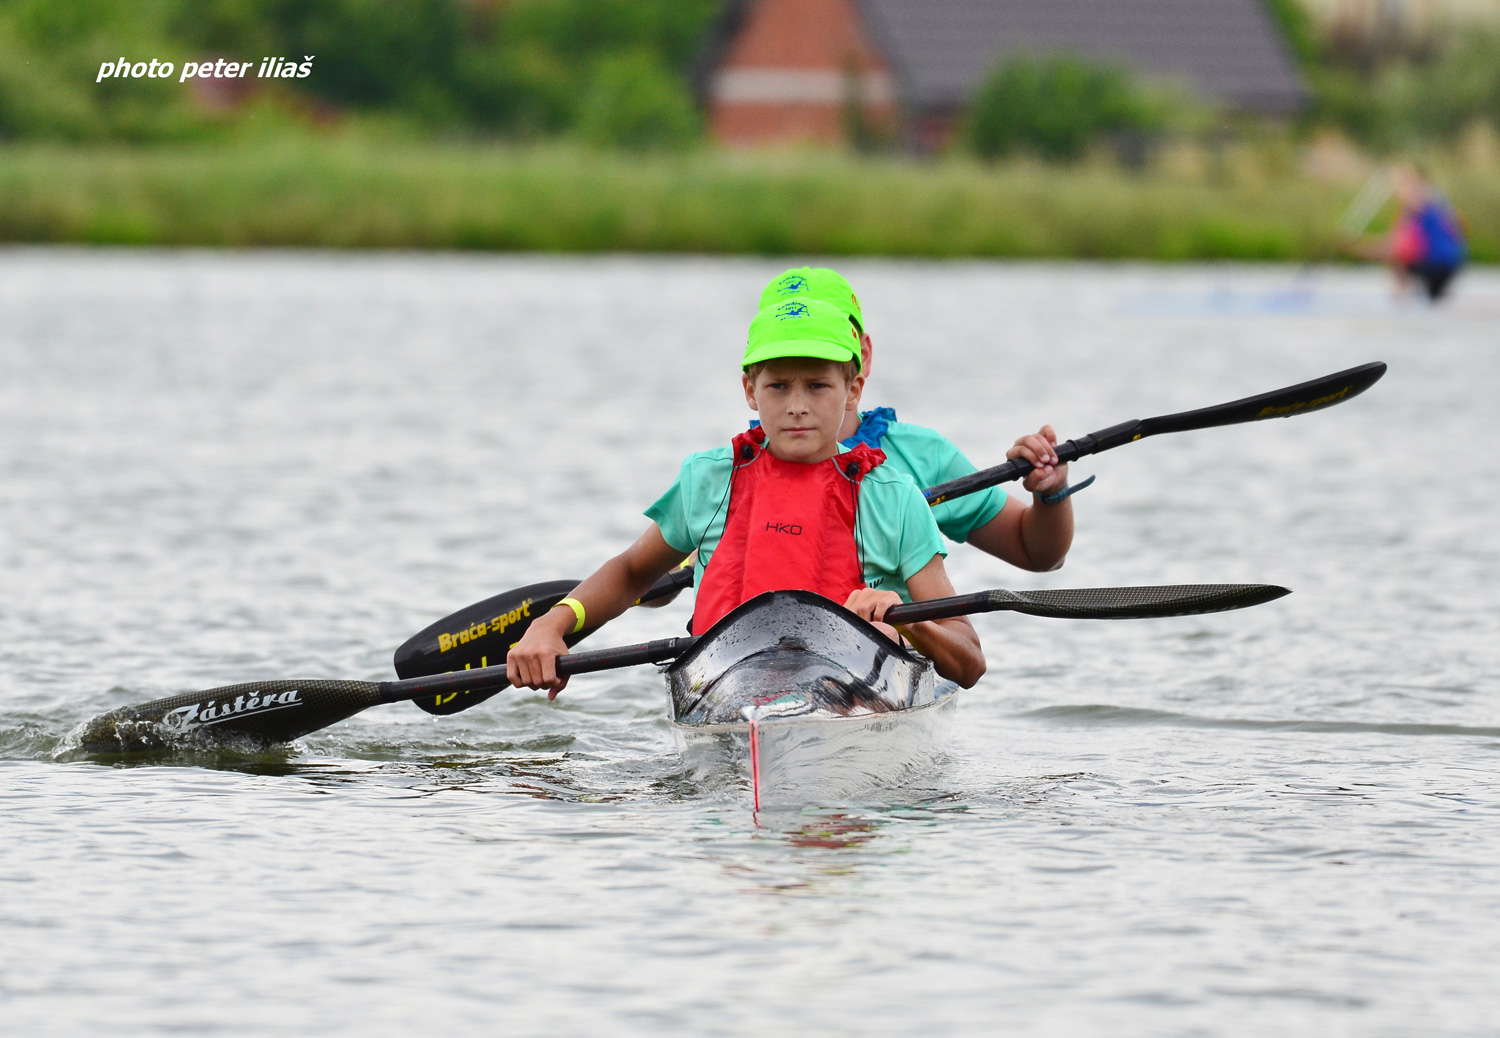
(1426,243)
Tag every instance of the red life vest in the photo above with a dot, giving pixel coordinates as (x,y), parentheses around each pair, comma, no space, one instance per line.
(790,526)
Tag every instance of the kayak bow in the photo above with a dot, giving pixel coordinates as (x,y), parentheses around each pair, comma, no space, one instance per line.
(807,701)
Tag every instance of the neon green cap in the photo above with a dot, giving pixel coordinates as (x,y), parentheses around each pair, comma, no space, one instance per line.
(817,282)
(802,327)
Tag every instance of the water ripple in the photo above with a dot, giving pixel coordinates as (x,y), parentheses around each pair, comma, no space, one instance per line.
(221,467)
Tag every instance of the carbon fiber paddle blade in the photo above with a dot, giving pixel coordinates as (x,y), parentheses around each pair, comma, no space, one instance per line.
(259,713)
(1106,603)
(1303,398)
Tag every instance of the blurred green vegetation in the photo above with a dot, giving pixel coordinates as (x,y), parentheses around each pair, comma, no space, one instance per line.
(1387,86)
(614,70)
(1057,106)
(635,102)
(1246,202)
(50,55)
(1415,92)
(617,73)
(1391,83)
(571,125)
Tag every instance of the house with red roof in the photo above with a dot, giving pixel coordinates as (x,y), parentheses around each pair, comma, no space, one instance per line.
(793,71)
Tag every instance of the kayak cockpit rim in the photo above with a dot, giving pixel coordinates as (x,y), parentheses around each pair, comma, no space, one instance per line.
(794,653)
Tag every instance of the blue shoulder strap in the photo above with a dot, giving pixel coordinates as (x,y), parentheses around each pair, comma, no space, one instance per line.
(873,425)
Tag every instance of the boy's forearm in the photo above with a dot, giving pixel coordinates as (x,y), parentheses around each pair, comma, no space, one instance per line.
(613,588)
(952,645)
(1035,537)
(1047,533)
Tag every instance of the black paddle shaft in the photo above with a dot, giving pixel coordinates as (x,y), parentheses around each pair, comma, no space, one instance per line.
(495,678)
(1105,603)
(1117,603)
(1279,403)
(468,640)
(277,711)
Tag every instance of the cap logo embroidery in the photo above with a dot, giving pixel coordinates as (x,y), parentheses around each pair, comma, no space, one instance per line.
(791,310)
(792,285)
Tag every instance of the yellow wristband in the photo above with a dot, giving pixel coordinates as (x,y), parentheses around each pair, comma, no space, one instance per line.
(577,607)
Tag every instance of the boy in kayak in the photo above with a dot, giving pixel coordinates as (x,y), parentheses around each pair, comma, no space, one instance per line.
(784,506)
(1035,537)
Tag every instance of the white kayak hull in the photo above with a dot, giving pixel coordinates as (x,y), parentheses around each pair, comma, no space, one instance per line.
(804,760)
(799,700)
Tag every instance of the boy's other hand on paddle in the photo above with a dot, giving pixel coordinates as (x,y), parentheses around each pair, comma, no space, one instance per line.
(869,604)
(1040,448)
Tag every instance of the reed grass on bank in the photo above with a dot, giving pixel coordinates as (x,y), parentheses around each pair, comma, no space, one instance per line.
(343,194)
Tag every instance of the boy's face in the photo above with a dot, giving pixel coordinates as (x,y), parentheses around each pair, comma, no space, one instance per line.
(802,401)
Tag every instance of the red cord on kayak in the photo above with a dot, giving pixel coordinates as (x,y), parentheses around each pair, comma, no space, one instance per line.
(755,760)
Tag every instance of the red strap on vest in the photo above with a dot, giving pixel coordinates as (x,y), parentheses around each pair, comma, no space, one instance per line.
(790,526)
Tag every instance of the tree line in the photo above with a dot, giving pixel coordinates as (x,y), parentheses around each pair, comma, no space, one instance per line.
(617,73)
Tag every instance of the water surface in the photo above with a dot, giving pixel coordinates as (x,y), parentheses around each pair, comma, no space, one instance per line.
(220,467)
